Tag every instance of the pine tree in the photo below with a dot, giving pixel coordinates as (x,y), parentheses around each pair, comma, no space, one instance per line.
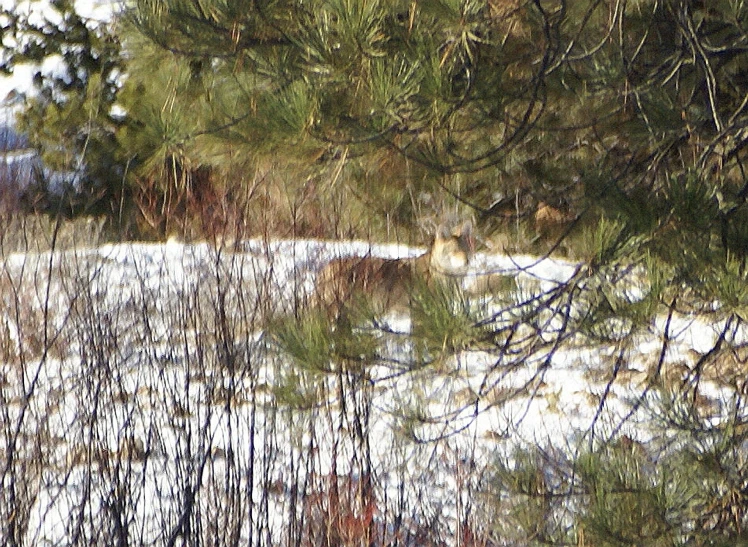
(69,117)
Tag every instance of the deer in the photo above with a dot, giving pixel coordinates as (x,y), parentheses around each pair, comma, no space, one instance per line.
(389,283)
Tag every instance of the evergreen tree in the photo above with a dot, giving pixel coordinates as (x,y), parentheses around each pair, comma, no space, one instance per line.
(69,117)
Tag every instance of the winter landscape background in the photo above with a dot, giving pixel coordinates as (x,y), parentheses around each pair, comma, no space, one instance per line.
(144,401)
(189,391)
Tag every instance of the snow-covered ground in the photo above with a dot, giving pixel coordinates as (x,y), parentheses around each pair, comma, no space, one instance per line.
(142,375)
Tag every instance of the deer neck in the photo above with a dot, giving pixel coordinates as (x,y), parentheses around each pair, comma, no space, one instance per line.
(448,264)
(447,258)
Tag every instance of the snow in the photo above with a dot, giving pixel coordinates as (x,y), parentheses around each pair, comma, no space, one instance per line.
(140,326)
(39,13)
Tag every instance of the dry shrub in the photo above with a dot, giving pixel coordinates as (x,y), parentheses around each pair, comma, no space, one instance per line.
(233,204)
(39,233)
(340,511)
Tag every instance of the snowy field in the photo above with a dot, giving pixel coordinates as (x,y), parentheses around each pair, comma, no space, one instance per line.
(142,396)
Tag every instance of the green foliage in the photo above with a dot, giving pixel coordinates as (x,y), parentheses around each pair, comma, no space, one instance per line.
(296,110)
(319,345)
(486,97)
(308,341)
(686,487)
(603,242)
(729,284)
(522,508)
(69,118)
(443,323)
(627,505)
(316,352)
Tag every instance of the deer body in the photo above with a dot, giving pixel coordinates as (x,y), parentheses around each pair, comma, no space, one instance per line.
(388,283)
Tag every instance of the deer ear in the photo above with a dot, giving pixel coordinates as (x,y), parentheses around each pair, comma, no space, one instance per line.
(443,232)
(463,230)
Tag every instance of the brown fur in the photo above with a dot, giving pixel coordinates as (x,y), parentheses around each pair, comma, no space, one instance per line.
(551,224)
(388,283)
